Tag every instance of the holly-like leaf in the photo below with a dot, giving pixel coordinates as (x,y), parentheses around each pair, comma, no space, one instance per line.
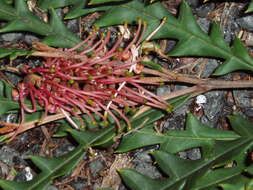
(205,173)
(54,167)
(21,19)
(196,134)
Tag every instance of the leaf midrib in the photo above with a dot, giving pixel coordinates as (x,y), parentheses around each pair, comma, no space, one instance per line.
(186,137)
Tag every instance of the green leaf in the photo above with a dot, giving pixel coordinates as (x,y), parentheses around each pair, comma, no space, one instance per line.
(89,138)
(48,4)
(207,172)
(196,134)
(21,19)
(192,41)
(54,167)
(78,10)
(94,2)
(150,184)
(152,115)
(13,52)
(242,126)
(8,105)
(5,90)
(187,173)
(50,167)
(250,8)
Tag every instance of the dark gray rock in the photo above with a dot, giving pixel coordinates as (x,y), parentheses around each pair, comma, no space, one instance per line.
(96,166)
(209,68)
(204,24)
(175,122)
(79,184)
(144,164)
(9,155)
(214,107)
(162,90)
(193,3)
(228,24)
(29,38)
(194,154)
(246,22)
(12,37)
(244,100)
(73,25)
(204,9)
(64,149)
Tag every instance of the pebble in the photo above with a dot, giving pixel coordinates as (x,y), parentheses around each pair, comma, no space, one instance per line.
(143,163)
(96,166)
(246,22)
(12,37)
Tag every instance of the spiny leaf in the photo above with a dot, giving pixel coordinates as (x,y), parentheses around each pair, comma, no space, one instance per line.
(225,177)
(205,173)
(93,138)
(55,167)
(21,19)
(50,167)
(186,173)
(196,134)
(192,41)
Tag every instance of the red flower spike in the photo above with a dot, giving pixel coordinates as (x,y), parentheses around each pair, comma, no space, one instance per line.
(89,78)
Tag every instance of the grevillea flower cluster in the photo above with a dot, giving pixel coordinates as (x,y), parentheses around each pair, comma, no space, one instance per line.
(90,78)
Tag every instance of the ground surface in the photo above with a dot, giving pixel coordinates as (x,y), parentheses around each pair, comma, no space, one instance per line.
(95,170)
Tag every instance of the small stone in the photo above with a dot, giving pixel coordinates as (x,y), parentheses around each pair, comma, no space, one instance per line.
(29,38)
(73,25)
(243,99)
(7,155)
(144,164)
(194,154)
(193,3)
(209,68)
(163,90)
(204,9)
(12,37)
(204,24)
(214,106)
(246,22)
(95,167)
